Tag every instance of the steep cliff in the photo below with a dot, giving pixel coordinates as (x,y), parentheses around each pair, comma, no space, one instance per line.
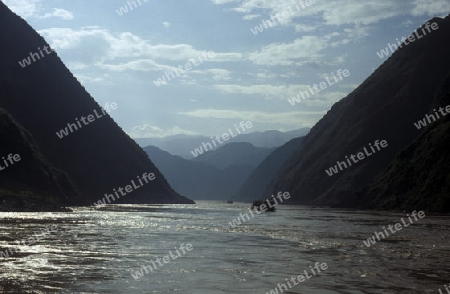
(44,97)
(384,107)
(28,182)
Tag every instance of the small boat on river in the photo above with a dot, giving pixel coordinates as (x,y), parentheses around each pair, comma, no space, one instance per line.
(264,205)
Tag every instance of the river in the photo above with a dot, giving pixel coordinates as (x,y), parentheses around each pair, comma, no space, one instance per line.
(96,250)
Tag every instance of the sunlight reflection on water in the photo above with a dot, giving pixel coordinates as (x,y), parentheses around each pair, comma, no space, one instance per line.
(95,251)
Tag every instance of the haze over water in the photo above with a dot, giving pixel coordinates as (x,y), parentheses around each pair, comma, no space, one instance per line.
(95,251)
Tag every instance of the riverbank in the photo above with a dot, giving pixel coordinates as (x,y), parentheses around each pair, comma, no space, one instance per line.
(28,203)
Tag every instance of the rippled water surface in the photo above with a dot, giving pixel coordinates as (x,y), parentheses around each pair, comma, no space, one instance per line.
(97,250)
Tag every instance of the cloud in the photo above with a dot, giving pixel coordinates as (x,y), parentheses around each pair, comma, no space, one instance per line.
(166,24)
(341,12)
(305,28)
(251,8)
(266,91)
(33,8)
(306,48)
(149,131)
(84,79)
(290,118)
(223,1)
(58,12)
(118,46)
(357,32)
(217,74)
(24,8)
(137,65)
(407,23)
(266,75)
(357,18)
(251,16)
(66,38)
(429,8)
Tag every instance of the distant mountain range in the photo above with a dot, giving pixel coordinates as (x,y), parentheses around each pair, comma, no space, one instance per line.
(216,175)
(43,98)
(410,84)
(234,154)
(183,145)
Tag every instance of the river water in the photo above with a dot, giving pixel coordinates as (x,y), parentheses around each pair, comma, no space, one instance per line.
(96,250)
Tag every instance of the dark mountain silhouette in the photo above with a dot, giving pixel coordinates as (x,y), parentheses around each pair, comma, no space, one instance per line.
(198,180)
(420,175)
(384,107)
(44,97)
(258,181)
(31,183)
(182,145)
(234,154)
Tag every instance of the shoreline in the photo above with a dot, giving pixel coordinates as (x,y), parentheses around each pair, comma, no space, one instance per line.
(46,207)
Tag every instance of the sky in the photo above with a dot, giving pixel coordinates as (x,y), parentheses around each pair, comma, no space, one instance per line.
(214,68)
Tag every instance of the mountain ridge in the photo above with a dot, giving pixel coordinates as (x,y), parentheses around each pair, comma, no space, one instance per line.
(199,180)
(45,96)
(419,175)
(225,156)
(31,183)
(257,182)
(379,109)
(183,145)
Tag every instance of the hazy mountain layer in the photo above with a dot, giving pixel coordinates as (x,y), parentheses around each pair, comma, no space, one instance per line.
(198,180)
(234,154)
(183,145)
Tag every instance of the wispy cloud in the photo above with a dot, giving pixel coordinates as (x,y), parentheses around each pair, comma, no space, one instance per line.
(299,118)
(305,48)
(117,46)
(24,8)
(266,91)
(58,12)
(33,9)
(341,12)
(149,131)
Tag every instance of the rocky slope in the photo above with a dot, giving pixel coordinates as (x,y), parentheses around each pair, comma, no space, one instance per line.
(28,182)
(258,181)
(419,177)
(384,107)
